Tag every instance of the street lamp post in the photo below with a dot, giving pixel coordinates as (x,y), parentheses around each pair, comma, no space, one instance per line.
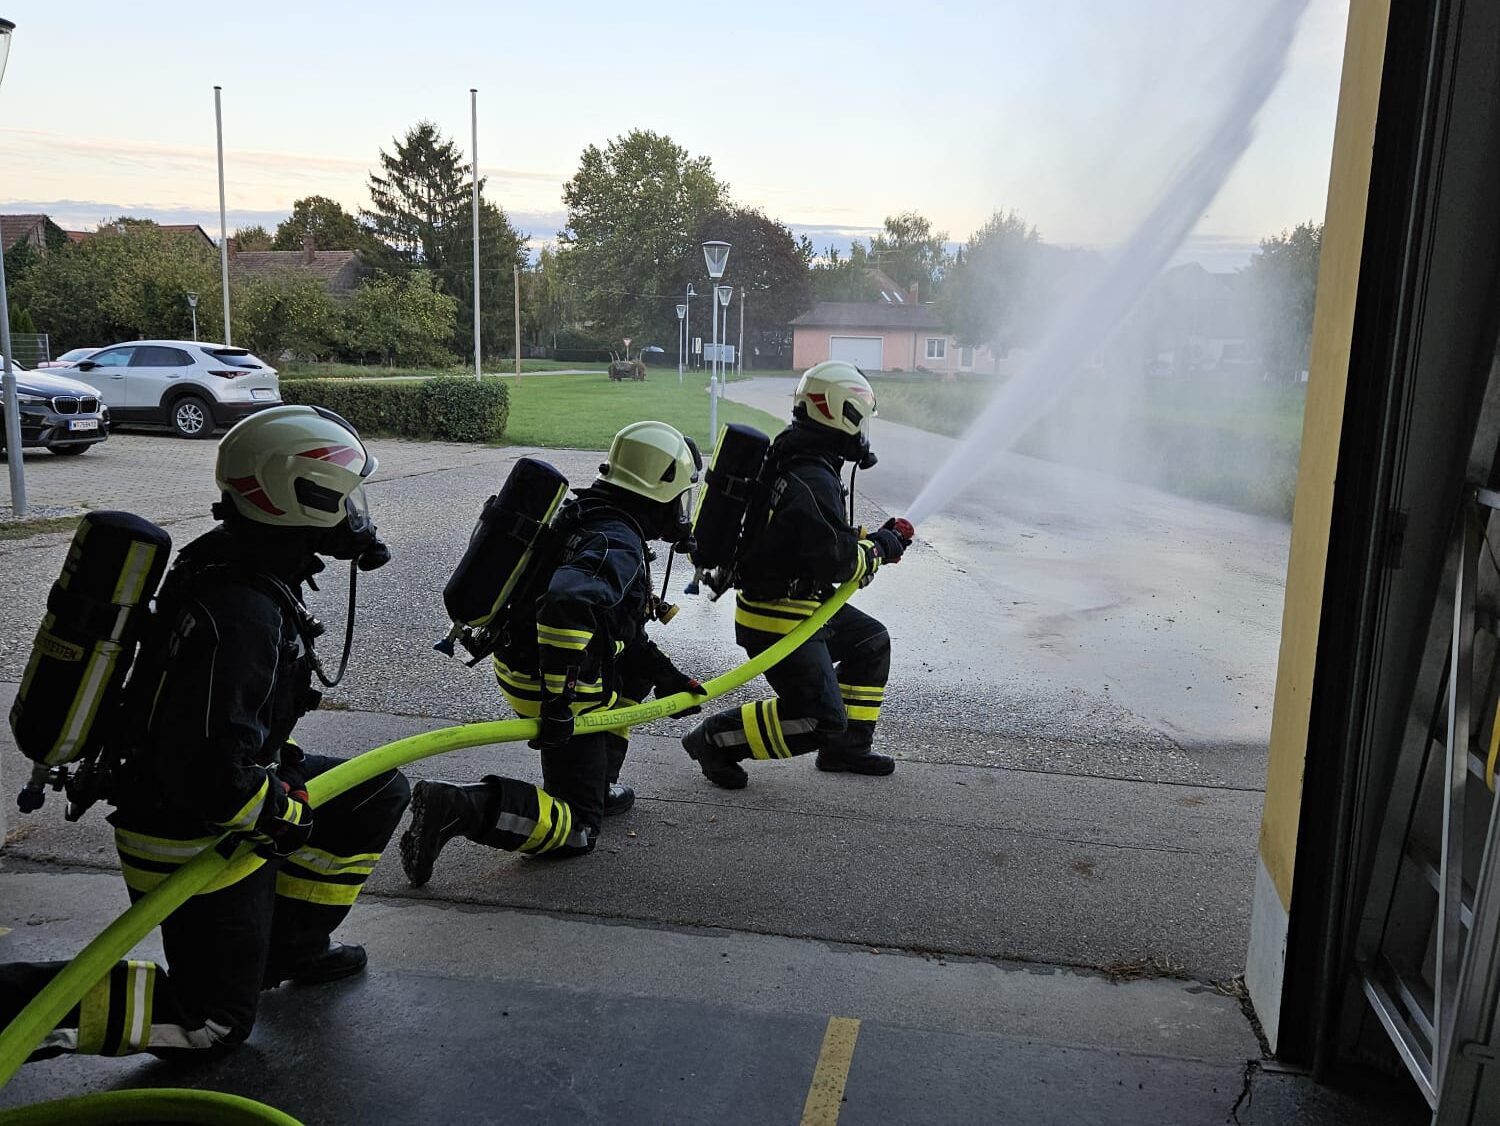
(725,294)
(715,257)
(687,323)
(8,383)
(192,300)
(681,340)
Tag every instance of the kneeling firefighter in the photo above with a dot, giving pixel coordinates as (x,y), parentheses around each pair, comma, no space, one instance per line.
(798,546)
(579,646)
(223,675)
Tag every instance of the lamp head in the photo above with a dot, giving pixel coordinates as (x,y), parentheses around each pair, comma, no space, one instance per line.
(6,27)
(716,257)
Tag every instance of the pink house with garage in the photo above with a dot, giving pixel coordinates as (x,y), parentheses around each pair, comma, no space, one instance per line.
(889,335)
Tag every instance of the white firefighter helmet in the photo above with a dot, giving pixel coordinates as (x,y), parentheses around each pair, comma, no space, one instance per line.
(295,467)
(834,394)
(652,460)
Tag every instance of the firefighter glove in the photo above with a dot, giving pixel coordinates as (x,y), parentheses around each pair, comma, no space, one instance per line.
(281,832)
(888,544)
(556,725)
(674,681)
(902,527)
(292,768)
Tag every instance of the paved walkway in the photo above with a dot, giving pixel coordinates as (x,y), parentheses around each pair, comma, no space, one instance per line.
(1036,834)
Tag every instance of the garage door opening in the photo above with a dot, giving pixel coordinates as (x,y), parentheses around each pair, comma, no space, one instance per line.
(865,352)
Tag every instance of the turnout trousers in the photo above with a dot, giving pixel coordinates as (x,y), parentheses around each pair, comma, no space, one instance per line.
(224,943)
(562,816)
(828,691)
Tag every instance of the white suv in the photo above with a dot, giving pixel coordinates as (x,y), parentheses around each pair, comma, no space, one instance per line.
(192,387)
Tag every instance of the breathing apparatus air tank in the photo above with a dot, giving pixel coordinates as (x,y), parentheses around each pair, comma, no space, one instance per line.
(68,704)
(501,549)
(729,487)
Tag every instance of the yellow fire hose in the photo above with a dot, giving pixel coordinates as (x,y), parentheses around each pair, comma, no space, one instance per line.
(40,1017)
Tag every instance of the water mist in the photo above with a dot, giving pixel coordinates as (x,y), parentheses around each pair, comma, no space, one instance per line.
(1086,321)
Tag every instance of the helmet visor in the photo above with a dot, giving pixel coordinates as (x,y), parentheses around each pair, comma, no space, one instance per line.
(357,511)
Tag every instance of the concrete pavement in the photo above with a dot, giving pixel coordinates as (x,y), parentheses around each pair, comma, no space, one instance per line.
(1051,815)
(475,1016)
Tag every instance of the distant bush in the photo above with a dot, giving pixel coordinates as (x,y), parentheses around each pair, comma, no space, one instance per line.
(463,410)
(445,409)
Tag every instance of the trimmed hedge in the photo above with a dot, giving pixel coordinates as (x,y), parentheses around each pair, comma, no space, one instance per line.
(445,409)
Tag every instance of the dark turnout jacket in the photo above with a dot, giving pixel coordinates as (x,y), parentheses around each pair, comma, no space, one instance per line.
(590,617)
(803,539)
(222,678)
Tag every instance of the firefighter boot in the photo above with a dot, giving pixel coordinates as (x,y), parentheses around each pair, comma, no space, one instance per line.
(855,762)
(618,799)
(338,960)
(441,811)
(720,765)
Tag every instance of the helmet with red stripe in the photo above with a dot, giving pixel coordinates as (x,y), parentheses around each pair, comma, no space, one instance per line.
(836,396)
(295,467)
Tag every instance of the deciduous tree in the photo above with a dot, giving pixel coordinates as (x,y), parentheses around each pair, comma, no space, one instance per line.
(252,238)
(990,295)
(911,253)
(400,320)
(324,221)
(633,207)
(844,277)
(285,312)
(768,269)
(1283,285)
(128,280)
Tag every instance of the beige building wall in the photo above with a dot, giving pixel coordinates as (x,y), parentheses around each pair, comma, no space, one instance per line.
(1333,329)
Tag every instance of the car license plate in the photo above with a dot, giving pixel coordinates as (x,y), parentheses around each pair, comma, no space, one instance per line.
(262,393)
(83,424)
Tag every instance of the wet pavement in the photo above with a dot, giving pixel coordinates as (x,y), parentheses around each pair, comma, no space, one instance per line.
(1080,701)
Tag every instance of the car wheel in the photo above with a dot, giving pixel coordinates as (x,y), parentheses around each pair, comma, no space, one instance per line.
(67,451)
(190,417)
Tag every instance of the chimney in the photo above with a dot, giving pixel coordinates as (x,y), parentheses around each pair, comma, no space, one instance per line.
(309,248)
(231,248)
(916,295)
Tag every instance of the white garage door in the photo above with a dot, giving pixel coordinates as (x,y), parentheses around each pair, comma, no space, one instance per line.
(865,352)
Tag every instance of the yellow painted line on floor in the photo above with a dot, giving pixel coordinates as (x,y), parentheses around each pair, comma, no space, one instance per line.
(826,1095)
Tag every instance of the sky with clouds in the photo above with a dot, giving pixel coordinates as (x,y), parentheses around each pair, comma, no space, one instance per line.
(827,114)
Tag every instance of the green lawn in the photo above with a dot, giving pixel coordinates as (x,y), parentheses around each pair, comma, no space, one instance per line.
(585,411)
(1232,442)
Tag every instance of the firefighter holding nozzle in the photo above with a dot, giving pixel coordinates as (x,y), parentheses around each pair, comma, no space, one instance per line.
(799,545)
(579,645)
(223,675)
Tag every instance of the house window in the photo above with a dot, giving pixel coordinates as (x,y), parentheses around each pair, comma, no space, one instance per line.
(966,357)
(937,348)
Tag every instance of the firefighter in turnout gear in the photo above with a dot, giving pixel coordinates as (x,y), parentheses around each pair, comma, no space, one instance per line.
(583,647)
(223,675)
(799,546)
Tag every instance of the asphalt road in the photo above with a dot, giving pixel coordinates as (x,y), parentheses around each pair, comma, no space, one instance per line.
(1079,701)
